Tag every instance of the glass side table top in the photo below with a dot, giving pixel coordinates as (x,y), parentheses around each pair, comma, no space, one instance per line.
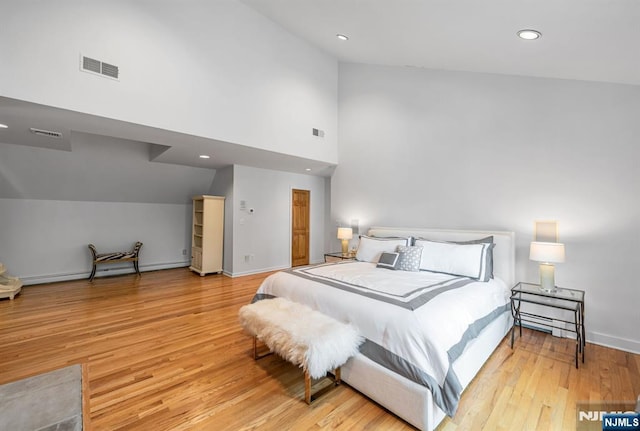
(559,293)
(348,255)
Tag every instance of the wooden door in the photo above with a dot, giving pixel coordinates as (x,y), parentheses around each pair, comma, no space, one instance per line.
(300,227)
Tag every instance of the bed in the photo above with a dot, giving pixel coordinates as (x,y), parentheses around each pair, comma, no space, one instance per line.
(429,327)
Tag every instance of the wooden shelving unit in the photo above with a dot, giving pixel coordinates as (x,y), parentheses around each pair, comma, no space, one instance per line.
(207,234)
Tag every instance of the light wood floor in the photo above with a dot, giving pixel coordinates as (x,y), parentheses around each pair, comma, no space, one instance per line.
(165,352)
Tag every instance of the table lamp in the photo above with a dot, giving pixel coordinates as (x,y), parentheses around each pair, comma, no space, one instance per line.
(547,253)
(345,234)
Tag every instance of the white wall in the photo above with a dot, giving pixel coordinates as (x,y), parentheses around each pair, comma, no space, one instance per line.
(216,69)
(46,240)
(106,192)
(223,186)
(480,151)
(265,234)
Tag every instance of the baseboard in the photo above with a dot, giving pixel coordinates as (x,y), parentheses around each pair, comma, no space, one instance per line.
(106,270)
(632,346)
(536,328)
(261,270)
(256,271)
(604,340)
(52,278)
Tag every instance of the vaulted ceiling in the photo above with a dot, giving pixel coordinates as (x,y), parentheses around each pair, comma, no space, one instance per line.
(593,40)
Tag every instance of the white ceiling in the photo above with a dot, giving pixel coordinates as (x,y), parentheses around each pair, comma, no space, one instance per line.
(593,40)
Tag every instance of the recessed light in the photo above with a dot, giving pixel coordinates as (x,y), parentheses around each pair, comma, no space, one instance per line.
(342,36)
(204,156)
(307,169)
(3,126)
(529,34)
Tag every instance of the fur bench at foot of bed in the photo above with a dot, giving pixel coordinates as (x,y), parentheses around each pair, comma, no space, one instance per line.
(115,257)
(307,338)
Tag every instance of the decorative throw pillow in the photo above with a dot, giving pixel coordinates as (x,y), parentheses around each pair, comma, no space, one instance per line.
(409,258)
(388,260)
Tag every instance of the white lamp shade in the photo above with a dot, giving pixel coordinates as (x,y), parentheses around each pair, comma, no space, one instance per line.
(345,233)
(549,252)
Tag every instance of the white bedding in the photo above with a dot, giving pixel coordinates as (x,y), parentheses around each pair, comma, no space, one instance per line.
(415,323)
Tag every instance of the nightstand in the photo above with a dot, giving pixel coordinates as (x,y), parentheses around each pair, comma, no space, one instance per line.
(561,299)
(338,256)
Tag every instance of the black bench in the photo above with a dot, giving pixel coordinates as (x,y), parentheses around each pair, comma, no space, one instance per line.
(115,257)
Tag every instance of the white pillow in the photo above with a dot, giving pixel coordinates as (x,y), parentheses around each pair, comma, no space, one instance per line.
(467,260)
(370,248)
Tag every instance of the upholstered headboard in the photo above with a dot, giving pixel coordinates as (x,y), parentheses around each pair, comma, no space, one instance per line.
(503,253)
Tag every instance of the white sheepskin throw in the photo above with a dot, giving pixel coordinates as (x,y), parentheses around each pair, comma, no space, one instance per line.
(300,335)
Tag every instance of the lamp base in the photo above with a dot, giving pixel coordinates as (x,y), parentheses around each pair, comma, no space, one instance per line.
(547,278)
(345,247)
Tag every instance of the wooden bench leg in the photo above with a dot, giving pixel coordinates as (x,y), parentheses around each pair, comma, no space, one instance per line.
(308,396)
(255,348)
(256,355)
(135,266)
(307,388)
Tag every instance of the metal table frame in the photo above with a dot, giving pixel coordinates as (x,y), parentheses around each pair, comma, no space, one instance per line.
(562,299)
(340,255)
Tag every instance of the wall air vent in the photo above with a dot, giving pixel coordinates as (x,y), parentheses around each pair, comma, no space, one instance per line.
(90,65)
(110,70)
(47,133)
(98,67)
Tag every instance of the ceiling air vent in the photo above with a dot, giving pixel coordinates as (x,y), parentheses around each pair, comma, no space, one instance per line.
(48,133)
(98,67)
